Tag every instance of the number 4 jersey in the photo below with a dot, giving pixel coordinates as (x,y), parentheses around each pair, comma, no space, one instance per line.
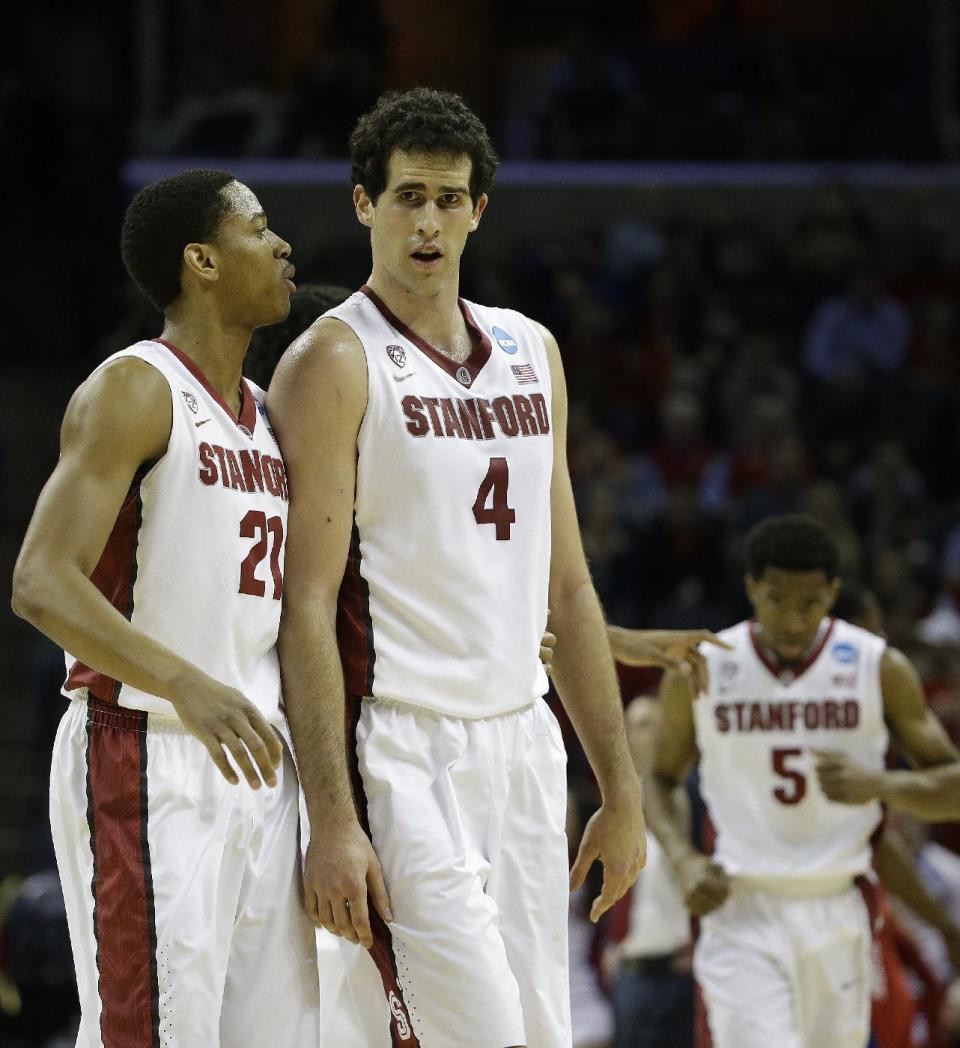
(444,600)
(195,559)
(757,729)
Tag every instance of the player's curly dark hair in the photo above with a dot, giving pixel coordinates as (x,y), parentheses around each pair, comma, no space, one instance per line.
(267,344)
(793,542)
(425,120)
(161,220)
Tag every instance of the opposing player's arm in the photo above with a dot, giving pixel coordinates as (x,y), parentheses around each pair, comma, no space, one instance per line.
(316,403)
(586,681)
(703,883)
(116,426)
(930,792)
(668,649)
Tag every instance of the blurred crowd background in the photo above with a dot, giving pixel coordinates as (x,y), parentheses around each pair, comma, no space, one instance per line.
(740,219)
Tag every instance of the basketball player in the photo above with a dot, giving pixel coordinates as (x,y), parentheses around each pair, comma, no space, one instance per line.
(155,557)
(431,516)
(783,956)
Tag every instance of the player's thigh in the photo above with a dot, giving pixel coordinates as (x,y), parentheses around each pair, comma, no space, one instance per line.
(834,972)
(747,987)
(273,955)
(529,880)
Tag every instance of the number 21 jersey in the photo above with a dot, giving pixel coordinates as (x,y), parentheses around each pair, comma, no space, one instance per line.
(444,600)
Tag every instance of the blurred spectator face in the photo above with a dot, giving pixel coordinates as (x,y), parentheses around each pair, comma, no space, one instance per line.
(643,719)
(680,419)
(789,606)
(420,224)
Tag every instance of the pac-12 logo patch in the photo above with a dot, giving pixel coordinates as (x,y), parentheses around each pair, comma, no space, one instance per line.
(845,653)
(398,355)
(505,341)
(191,401)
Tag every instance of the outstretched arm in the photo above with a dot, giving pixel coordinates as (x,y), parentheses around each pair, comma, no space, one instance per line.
(584,674)
(316,403)
(667,649)
(116,426)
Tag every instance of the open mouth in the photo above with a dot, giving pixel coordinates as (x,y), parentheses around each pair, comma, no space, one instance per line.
(427,256)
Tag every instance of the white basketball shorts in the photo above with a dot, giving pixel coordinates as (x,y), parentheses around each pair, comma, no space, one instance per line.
(786,972)
(467,818)
(183,893)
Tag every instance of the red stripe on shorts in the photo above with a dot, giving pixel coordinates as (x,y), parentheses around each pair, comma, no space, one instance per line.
(123,911)
(401,1028)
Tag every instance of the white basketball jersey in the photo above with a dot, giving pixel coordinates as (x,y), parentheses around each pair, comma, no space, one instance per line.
(444,600)
(756,730)
(195,559)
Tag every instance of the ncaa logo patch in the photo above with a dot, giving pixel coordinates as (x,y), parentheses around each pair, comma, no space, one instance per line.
(845,653)
(505,341)
(191,401)
(398,355)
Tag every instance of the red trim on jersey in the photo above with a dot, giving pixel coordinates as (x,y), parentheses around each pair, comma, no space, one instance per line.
(797,671)
(354,626)
(247,419)
(123,912)
(114,576)
(382,949)
(474,363)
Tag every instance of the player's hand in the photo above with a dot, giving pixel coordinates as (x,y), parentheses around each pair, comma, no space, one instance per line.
(548,643)
(616,835)
(340,870)
(704,884)
(223,718)
(844,780)
(667,649)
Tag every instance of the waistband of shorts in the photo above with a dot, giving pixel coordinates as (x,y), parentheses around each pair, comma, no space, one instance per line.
(411,707)
(122,718)
(797,887)
(657,964)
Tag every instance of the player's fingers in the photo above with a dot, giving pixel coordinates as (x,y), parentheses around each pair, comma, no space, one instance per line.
(586,855)
(267,733)
(259,751)
(378,892)
(615,885)
(698,669)
(342,920)
(311,905)
(360,917)
(708,637)
(219,758)
(239,753)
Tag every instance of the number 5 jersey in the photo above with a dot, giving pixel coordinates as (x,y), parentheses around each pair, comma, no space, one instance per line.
(757,728)
(195,558)
(444,600)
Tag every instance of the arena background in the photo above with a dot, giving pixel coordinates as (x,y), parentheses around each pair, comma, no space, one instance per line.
(740,218)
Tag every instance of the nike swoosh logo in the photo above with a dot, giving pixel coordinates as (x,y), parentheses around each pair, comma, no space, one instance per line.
(199,424)
(403,378)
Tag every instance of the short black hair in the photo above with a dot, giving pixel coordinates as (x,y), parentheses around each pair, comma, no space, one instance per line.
(423,120)
(793,542)
(162,219)
(268,344)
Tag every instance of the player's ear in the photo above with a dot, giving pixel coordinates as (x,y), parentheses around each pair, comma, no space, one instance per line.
(750,585)
(478,209)
(832,591)
(363,206)
(200,260)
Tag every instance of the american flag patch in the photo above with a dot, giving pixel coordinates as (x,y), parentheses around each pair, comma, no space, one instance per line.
(525,373)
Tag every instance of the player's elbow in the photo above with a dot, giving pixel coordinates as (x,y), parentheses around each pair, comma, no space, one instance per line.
(27,600)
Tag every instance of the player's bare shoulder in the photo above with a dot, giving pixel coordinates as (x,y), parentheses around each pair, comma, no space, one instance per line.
(124,405)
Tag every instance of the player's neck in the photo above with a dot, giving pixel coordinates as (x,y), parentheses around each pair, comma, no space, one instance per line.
(216,349)
(436,318)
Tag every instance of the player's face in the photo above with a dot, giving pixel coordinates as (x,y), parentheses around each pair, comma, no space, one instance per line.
(789,606)
(255,274)
(420,223)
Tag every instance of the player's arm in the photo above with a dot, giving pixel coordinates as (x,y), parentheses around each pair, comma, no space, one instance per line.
(933,790)
(316,403)
(898,874)
(704,884)
(677,650)
(116,425)
(584,674)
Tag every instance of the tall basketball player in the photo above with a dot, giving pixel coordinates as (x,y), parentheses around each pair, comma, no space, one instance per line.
(783,956)
(155,558)
(431,518)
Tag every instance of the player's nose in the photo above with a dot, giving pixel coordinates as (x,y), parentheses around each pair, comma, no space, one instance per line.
(428,225)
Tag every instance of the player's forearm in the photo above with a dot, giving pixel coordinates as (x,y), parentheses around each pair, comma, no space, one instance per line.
(584,674)
(61,602)
(668,818)
(929,793)
(315,705)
